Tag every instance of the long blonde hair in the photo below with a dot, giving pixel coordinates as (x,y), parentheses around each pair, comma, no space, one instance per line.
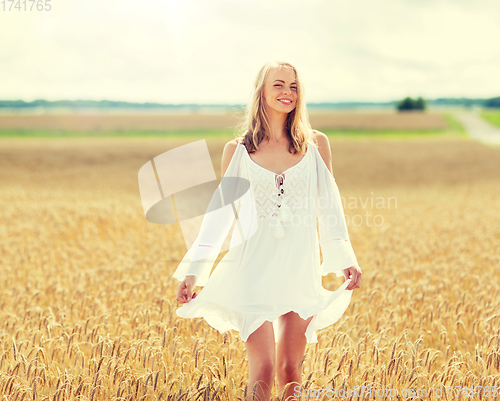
(251,130)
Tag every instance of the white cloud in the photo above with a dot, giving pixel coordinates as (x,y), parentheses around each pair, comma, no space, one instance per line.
(210,51)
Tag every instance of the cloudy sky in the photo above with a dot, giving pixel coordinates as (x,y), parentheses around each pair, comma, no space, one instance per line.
(209,51)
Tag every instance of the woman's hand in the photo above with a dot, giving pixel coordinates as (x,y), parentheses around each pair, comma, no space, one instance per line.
(353,273)
(185,289)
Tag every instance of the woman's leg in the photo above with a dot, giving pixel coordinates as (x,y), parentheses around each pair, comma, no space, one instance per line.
(291,348)
(261,351)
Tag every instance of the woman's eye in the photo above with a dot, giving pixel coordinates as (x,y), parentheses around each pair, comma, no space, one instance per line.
(293,87)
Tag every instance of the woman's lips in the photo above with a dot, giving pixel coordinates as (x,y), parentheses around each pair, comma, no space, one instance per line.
(287,103)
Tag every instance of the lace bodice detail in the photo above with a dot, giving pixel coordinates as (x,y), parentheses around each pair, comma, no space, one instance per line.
(273,191)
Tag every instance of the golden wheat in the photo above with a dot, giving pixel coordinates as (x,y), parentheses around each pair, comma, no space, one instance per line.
(87,301)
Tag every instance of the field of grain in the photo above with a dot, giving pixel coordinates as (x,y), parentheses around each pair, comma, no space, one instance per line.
(87,301)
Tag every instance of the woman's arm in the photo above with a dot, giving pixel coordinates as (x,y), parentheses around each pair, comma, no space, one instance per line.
(334,238)
(195,267)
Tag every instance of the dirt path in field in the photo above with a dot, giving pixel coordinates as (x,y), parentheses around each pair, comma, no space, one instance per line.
(478,128)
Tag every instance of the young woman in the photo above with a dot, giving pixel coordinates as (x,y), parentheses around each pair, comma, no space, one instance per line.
(272,282)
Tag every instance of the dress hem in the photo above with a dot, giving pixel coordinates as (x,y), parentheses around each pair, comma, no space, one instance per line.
(223,319)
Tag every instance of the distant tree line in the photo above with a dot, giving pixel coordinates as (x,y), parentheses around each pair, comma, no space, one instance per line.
(77,104)
(406,104)
(409,104)
(493,102)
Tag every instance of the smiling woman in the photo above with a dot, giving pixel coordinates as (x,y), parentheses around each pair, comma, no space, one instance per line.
(270,279)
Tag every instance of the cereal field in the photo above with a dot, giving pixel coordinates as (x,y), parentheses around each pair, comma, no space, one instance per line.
(87,301)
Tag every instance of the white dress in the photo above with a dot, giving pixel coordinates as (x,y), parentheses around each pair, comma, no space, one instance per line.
(277,268)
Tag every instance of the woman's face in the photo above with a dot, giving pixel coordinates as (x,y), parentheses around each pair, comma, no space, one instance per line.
(280,90)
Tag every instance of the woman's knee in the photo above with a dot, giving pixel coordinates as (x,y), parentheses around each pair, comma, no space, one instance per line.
(265,367)
(289,368)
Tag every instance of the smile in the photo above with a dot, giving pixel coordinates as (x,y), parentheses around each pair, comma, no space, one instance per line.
(284,101)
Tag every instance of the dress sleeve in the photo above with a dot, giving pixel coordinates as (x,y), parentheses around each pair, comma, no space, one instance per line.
(333,236)
(201,257)
(216,224)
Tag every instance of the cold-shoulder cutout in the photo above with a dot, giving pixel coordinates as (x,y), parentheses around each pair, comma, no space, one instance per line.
(323,146)
(227,155)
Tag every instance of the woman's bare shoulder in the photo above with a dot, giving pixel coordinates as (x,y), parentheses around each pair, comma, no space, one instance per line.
(323,145)
(227,154)
(229,149)
(319,138)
